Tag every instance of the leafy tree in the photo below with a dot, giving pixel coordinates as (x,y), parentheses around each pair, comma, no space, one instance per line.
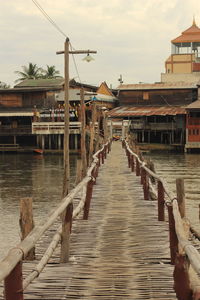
(3,85)
(32,71)
(51,72)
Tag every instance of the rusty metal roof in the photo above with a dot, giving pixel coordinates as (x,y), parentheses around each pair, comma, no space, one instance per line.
(194,105)
(158,86)
(132,111)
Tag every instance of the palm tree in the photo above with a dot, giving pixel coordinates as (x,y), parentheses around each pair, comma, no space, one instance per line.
(3,85)
(51,72)
(30,72)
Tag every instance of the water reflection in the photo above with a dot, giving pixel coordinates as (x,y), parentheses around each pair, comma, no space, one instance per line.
(39,177)
(171,166)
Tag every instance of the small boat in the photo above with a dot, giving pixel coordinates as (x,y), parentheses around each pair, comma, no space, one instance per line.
(38,151)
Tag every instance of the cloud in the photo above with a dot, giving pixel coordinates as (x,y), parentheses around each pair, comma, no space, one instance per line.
(132,37)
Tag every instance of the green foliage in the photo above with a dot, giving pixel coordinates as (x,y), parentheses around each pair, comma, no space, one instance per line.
(32,71)
(3,85)
(51,72)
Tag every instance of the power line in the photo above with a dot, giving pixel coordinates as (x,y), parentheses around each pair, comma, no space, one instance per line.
(60,30)
(48,17)
(75,65)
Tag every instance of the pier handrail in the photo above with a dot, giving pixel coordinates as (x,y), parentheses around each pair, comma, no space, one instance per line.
(183,246)
(16,254)
(153,174)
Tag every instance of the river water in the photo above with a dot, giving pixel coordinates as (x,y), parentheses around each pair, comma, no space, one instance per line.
(25,175)
(187,166)
(40,177)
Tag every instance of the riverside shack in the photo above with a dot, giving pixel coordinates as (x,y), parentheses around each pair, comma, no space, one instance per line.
(156,112)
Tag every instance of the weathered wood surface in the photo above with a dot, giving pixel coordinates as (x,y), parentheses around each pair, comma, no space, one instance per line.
(120,252)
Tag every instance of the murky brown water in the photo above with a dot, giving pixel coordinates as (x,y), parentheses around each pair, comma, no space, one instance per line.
(187,166)
(40,177)
(25,175)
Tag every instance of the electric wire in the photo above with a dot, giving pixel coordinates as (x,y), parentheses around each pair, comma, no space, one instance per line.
(48,17)
(75,65)
(61,31)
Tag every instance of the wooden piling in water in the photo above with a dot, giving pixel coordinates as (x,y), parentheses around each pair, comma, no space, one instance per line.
(26,222)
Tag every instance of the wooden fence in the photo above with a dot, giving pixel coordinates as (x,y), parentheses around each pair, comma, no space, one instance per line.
(11,265)
(184,255)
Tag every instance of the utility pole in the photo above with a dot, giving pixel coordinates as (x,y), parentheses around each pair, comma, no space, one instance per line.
(83,147)
(66,53)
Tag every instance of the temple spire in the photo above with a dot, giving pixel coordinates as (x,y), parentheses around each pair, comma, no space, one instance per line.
(194,22)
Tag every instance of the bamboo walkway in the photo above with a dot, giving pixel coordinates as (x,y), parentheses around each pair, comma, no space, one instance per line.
(121,252)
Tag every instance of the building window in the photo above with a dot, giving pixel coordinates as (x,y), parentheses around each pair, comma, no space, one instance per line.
(145,96)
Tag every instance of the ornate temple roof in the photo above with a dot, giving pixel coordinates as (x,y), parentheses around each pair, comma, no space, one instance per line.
(192,34)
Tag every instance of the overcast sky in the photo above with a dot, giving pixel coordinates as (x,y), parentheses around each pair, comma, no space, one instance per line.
(132,37)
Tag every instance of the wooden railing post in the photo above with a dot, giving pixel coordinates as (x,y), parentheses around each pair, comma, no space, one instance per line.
(180,192)
(99,159)
(105,151)
(66,231)
(173,240)
(94,174)
(109,146)
(181,278)
(181,270)
(13,284)
(142,176)
(88,200)
(129,160)
(102,157)
(161,202)
(26,222)
(133,164)
(145,184)
(137,168)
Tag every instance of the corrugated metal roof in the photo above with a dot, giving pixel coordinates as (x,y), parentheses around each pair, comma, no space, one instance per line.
(131,111)
(158,86)
(40,83)
(194,105)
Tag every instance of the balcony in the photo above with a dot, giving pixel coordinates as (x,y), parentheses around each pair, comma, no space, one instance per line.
(153,126)
(55,127)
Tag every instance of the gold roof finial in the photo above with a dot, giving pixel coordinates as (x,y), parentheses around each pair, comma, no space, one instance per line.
(194,22)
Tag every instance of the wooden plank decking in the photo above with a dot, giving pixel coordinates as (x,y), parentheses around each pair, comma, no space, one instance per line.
(121,252)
